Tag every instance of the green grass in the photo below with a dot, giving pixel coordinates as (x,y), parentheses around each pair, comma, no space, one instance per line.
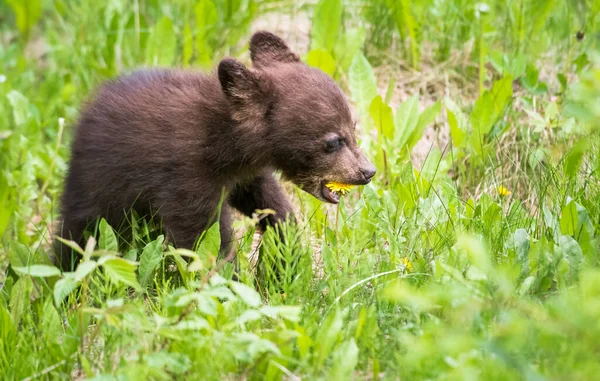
(480,260)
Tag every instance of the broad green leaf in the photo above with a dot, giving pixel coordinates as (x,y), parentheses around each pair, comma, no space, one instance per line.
(574,158)
(549,219)
(217,280)
(27,13)
(20,107)
(115,303)
(476,252)
(326,24)
(84,269)
(6,205)
(18,254)
(492,216)
(543,10)
(407,26)
(521,246)
(363,86)
(72,244)
(211,241)
(174,363)
(161,44)
(569,219)
(51,324)
(426,118)
(407,117)
(150,258)
(321,59)
(525,286)
(108,239)
(488,109)
(19,298)
(120,270)
(582,102)
(247,294)
(389,93)
(536,157)
(531,78)
(345,358)
(383,117)
(249,316)
(291,313)
(350,45)
(513,66)
(63,288)
(328,335)
(188,44)
(40,271)
(458,135)
(456,122)
(111,38)
(206,20)
(433,167)
(239,13)
(571,250)
(256,345)
(131,255)
(134,39)
(8,331)
(195,324)
(576,218)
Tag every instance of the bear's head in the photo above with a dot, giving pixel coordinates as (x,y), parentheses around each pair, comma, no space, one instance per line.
(299,113)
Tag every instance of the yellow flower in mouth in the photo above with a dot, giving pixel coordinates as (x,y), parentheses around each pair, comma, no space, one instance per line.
(406,263)
(339,187)
(503,191)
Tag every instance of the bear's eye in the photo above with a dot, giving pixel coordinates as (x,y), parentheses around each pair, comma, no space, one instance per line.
(333,144)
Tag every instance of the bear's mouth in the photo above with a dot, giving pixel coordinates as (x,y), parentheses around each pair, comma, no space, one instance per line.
(332,190)
(326,190)
(328,194)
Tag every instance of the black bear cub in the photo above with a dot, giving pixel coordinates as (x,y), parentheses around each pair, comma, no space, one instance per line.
(176,143)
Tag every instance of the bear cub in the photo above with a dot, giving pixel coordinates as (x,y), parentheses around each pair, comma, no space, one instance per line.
(184,145)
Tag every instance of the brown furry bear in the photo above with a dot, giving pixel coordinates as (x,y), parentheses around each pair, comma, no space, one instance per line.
(178,142)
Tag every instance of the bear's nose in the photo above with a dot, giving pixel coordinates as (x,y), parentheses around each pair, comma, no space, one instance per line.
(368,172)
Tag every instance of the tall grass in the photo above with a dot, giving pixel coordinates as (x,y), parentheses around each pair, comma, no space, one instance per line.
(479,261)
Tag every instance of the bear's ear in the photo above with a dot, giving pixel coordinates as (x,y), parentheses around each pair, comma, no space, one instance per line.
(238,83)
(266,48)
(245,92)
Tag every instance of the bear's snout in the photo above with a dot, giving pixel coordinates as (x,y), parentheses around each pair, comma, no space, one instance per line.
(368,172)
(356,168)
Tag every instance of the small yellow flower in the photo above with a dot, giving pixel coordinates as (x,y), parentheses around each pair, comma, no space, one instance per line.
(503,191)
(339,187)
(406,263)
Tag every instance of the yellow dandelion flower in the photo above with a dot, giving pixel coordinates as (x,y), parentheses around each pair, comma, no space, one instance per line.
(503,191)
(339,187)
(406,263)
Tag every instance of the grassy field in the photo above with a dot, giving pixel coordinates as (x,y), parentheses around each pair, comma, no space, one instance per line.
(472,255)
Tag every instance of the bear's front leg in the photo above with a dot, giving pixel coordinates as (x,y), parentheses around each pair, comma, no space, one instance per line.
(185,227)
(263,192)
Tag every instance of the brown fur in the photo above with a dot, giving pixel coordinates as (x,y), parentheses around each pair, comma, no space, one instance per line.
(177,141)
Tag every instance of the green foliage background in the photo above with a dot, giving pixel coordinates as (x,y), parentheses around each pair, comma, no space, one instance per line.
(480,261)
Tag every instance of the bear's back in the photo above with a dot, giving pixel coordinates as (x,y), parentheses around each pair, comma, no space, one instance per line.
(155,103)
(146,129)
